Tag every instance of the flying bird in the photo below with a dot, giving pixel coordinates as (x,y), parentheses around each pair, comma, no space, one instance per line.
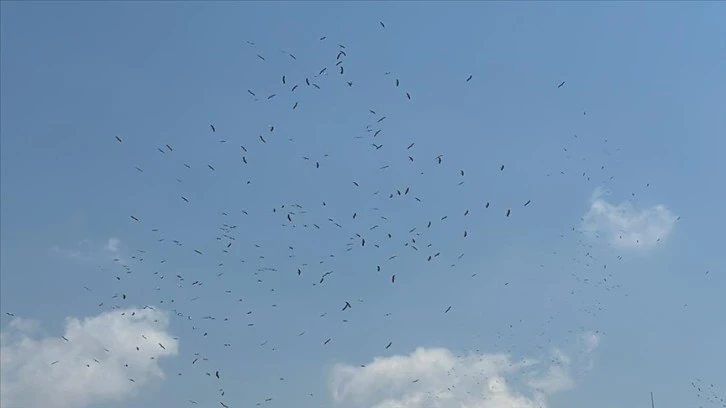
(470,77)
(212,126)
(561,84)
(119,139)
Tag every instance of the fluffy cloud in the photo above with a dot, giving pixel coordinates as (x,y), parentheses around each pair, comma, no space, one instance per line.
(95,364)
(625,226)
(87,251)
(437,378)
(591,340)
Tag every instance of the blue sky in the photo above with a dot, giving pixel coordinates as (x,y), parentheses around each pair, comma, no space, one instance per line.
(594,294)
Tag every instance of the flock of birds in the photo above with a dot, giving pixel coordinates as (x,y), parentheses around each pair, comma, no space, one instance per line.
(316,223)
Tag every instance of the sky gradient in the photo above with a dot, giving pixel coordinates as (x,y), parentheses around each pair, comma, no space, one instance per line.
(608,284)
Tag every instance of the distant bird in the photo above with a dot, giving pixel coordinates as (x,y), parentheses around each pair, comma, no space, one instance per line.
(283,79)
(134,218)
(561,84)
(509,212)
(119,139)
(501,168)
(389,345)
(347,306)
(212,126)
(382,25)
(447,309)
(527,203)
(470,77)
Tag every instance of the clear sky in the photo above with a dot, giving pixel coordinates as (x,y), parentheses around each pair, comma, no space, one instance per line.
(607,285)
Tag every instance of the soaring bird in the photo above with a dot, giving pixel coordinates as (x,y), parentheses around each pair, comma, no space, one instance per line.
(212,126)
(119,139)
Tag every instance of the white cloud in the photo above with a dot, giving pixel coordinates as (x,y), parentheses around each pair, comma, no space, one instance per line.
(113,245)
(591,340)
(94,365)
(437,378)
(626,226)
(87,251)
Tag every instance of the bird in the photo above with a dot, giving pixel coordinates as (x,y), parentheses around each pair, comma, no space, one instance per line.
(119,139)
(382,25)
(212,126)
(469,78)
(561,84)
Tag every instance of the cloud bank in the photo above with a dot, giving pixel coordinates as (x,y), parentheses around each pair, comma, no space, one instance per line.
(95,364)
(625,226)
(436,378)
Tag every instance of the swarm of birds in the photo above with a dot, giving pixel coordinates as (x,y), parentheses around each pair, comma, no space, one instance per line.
(265,240)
